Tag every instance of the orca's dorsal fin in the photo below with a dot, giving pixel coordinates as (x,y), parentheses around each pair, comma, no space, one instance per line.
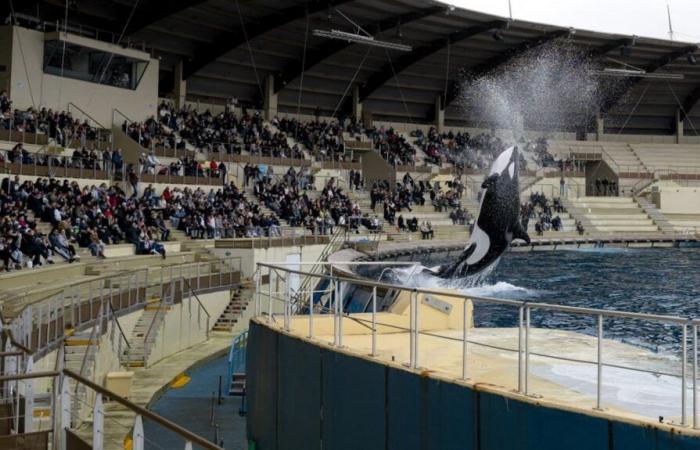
(520,233)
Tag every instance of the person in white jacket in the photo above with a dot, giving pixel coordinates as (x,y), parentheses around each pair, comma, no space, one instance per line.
(151,162)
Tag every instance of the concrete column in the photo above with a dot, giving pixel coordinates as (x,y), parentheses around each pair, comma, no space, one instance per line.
(180,86)
(679,127)
(439,114)
(270,100)
(599,127)
(356,103)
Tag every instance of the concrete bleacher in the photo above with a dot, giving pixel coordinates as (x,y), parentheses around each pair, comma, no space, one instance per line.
(684,223)
(612,214)
(669,158)
(619,155)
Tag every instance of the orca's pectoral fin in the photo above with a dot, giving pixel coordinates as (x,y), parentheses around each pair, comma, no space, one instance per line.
(520,233)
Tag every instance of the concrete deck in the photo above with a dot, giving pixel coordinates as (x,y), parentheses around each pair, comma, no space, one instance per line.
(149,384)
(492,364)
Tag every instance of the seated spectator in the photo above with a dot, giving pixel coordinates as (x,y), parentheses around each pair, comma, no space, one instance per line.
(61,246)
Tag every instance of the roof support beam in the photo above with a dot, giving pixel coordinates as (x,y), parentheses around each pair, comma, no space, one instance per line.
(649,68)
(331,47)
(405,61)
(155,12)
(612,45)
(229,41)
(502,58)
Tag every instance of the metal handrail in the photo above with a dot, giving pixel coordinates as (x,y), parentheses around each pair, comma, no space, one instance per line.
(523,348)
(156,316)
(85,114)
(201,305)
(117,111)
(79,283)
(119,326)
(183,432)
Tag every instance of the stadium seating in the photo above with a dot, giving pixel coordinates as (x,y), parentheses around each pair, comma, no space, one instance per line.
(612,214)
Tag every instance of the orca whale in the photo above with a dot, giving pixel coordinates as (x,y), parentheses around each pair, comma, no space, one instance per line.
(497,223)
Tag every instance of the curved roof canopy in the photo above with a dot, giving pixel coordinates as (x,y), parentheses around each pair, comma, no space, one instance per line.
(229,47)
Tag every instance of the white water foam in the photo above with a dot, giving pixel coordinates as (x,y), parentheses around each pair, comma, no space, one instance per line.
(603,250)
(642,393)
(420,276)
(501,289)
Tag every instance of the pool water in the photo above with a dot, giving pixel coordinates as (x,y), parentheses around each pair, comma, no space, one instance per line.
(656,281)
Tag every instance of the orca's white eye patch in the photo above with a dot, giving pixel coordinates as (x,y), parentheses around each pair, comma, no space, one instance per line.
(511,169)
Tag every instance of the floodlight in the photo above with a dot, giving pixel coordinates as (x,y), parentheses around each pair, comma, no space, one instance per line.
(361,39)
(360,36)
(637,73)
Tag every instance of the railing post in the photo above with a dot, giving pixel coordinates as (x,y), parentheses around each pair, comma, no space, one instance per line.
(29,398)
(137,434)
(334,287)
(98,424)
(599,377)
(374,321)
(257,290)
(413,325)
(311,313)
(65,412)
(684,374)
(695,376)
(527,348)
(287,306)
(339,300)
(465,335)
(521,315)
(269,295)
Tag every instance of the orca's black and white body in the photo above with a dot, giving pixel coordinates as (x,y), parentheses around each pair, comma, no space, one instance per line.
(497,223)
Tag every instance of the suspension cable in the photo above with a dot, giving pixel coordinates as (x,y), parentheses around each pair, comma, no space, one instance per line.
(629,116)
(682,108)
(250,50)
(24,60)
(398,86)
(303,71)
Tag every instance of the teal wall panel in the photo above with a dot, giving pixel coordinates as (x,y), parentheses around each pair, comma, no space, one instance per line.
(352,418)
(305,397)
(299,391)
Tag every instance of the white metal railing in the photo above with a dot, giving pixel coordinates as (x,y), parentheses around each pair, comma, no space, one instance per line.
(39,324)
(683,369)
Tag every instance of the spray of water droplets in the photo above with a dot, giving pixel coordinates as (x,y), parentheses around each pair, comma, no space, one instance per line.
(552,86)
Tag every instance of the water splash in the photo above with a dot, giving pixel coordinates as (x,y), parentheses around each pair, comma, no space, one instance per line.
(552,86)
(477,284)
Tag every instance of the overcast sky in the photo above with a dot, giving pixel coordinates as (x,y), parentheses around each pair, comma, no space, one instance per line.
(640,17)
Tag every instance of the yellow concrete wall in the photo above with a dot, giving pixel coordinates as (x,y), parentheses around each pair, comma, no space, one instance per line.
(679,200)
(249,257)
(183,328)
(30,86)
(429,318)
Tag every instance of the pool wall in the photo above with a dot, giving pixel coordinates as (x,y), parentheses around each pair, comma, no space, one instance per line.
(306,395)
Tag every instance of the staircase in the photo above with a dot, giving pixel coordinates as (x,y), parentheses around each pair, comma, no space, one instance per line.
(655,215)
(232,313)
(145,333)
(79,353)
(236,365)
